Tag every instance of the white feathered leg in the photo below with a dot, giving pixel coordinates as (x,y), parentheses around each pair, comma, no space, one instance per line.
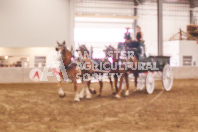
(127,93)
(117,96)
(77,98)
(82,93)
(88,94)
(123,85)
(61,93)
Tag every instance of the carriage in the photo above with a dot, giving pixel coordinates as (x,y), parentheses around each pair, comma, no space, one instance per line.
(165,72)
(146,78)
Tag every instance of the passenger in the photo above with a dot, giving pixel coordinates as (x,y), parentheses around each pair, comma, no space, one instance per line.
(131,45)
(139,39)
(139,34)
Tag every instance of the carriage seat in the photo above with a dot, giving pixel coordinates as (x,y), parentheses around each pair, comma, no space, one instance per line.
(137,47)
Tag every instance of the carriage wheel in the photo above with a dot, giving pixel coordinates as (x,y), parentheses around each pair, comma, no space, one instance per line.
(167,77)
(150,83)
(141,83)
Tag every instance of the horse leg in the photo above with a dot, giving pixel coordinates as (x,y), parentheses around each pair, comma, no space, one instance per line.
(101,86)
(120,88)
(127,84)
(92,91)
(82,92)
(77,97)
(111,84)
(116,81)
(123,85)
(61,93)
(86,91)
(136,78)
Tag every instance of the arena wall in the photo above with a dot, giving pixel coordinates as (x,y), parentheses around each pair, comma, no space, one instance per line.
(30,52)
(22,75)
(188,72)
(36,23)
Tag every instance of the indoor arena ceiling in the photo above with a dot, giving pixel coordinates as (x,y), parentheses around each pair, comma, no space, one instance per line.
(193,3)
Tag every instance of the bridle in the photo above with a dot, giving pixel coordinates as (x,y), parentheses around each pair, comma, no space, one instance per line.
(63,53)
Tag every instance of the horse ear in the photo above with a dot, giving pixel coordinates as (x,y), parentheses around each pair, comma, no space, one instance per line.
(64,42)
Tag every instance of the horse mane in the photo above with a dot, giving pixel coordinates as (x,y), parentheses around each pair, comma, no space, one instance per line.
(110,48)
(84,47)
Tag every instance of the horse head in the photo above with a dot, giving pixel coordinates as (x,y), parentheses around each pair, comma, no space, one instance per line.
(60,46)
(109,50)
(112,53)
(83,50)
(65,53)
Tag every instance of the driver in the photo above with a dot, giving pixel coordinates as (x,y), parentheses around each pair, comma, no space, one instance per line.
(139,39)
(130,44)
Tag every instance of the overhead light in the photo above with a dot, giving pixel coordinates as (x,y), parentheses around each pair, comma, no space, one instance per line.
(6,57)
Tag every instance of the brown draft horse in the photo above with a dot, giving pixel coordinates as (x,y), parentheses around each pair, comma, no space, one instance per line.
(71,69)
(88,60)
(120,69)
(86,72)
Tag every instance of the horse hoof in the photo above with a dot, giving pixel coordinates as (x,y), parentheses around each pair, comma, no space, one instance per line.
(137,89)
(114,93)
(127,93)
(77,97)
(88,96)
(117,96)
(76,100)
(93,91)
(81,96)
(61,95)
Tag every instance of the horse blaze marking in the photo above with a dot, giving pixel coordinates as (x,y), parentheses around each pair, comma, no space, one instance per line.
(36,75)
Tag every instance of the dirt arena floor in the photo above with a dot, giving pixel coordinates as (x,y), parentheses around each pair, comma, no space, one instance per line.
(37,108)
